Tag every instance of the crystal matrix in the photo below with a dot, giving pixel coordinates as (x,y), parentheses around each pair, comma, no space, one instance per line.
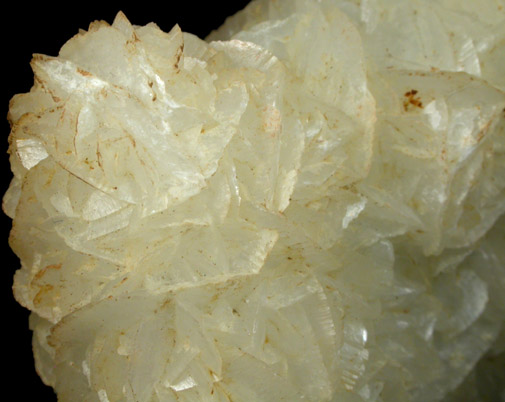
(304,207)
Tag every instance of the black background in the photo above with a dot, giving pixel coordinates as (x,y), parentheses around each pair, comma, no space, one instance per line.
(43,28)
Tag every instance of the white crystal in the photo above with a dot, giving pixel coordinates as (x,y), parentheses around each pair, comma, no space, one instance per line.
(308,206)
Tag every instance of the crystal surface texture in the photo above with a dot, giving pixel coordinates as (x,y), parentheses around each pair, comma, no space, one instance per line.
(306,206)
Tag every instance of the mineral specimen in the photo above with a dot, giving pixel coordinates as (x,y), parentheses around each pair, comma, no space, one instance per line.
(304,207)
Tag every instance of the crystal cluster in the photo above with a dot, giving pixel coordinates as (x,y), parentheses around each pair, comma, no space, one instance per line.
(304,207)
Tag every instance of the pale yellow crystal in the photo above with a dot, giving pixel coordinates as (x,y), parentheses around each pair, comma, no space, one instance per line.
(305,207)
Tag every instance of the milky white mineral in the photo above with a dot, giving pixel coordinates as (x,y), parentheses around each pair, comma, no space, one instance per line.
(308,206)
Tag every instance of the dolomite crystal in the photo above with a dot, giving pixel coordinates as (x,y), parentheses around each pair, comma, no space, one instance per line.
(304,207)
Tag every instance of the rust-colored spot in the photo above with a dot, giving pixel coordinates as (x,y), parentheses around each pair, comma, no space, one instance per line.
(180,51)
(411,100)
(83,72)
(99,157)
(41,273)
(43,290)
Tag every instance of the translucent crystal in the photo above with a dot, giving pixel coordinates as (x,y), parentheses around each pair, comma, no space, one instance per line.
(306,206)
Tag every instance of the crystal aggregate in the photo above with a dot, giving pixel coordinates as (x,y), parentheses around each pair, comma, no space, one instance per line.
(306,206)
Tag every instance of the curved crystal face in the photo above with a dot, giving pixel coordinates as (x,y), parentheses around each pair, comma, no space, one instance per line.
(309,205)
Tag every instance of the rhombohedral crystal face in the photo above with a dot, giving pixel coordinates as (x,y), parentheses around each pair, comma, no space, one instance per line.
(306,206)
